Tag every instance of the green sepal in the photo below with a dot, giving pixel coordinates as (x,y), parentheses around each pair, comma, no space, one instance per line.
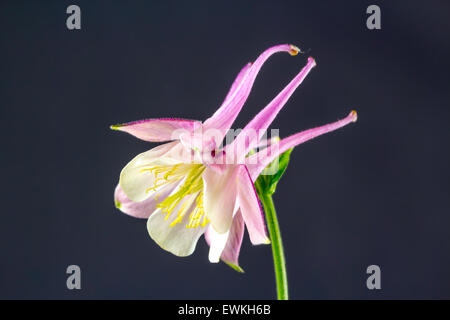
(267,181)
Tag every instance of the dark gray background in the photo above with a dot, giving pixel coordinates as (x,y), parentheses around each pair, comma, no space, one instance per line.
(375,192)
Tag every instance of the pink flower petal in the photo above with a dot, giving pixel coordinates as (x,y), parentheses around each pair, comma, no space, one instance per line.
(255,129)
(237,81)
(230,253)
(250,208)
(266,156)
(224,117)
(198,141)
(158,130)
(219,197)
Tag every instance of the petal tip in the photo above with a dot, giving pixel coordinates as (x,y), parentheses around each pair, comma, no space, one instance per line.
(234,266)
(117,204)
(213,259)
(294,50)
(354,115)
(312,61)
(115,127)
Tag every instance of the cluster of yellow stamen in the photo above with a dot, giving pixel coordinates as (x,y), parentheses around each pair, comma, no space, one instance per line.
(190,191)
(166,174)
(198,216)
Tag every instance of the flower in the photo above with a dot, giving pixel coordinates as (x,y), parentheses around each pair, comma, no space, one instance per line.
(190,186)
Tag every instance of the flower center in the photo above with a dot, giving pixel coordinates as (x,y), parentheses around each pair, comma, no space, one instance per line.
(191,190)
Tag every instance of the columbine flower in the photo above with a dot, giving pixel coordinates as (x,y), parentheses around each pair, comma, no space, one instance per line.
(190,186)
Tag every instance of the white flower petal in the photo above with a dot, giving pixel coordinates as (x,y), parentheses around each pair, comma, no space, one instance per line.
(177,239)
(135,182)
(146,207)
(217,244)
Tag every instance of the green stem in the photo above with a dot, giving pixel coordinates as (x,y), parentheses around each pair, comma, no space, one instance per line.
(277,246)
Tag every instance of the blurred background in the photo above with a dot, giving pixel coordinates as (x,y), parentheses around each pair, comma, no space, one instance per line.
(375,192)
